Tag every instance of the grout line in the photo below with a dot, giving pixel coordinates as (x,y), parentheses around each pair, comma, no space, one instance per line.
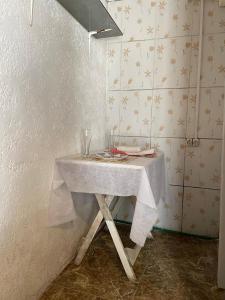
(153,82)
(184,165)
(203,188)
(195,187)
(184,138)
(133,136)
(185,149)
(120,78)
(214,139)
(166,88)
(107,90)
(165,38)
(165,137)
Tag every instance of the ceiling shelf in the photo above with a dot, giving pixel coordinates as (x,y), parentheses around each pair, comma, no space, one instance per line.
(93,16)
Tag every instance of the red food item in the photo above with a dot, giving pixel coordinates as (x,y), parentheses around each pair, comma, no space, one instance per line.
(116,151)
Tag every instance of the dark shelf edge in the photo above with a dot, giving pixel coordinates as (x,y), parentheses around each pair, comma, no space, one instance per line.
(80,10)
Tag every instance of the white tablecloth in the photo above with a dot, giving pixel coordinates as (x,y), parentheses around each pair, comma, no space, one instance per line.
(141,177)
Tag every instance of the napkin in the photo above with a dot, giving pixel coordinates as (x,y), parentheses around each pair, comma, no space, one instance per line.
(142,153)
(130,149)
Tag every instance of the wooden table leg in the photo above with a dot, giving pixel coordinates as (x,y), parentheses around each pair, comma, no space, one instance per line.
(115,236)
(90,235)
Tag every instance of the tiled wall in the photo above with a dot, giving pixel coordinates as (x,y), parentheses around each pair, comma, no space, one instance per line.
(152,73)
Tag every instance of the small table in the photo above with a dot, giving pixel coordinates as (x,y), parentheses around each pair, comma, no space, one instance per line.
(141,177)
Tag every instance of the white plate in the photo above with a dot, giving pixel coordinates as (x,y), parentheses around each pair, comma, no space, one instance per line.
(109,156)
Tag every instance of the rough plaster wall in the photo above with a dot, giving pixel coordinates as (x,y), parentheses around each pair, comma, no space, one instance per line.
(49,90)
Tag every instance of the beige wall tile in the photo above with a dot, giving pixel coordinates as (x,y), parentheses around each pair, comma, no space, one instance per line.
(170,212)
(126,211)
(169,112)
(135,18)
(203,165)
(137,65)
(174,150)
(214,18)
(138,20)
(112,111)
(213,60)
(210,114)
(135,113)
(144,142)
(172,62)
(114,57)
(176,18)
(201,212)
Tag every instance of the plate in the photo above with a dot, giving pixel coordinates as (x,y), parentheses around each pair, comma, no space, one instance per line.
(108,156)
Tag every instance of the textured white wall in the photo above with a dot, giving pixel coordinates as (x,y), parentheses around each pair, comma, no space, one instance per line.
(48,92)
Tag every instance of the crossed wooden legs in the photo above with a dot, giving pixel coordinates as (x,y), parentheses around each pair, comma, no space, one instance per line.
(127,256)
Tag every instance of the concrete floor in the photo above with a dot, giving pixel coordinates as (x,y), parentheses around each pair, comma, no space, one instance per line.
(172,266)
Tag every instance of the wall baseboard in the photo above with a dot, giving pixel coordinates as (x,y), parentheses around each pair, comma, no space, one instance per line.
(172,231)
